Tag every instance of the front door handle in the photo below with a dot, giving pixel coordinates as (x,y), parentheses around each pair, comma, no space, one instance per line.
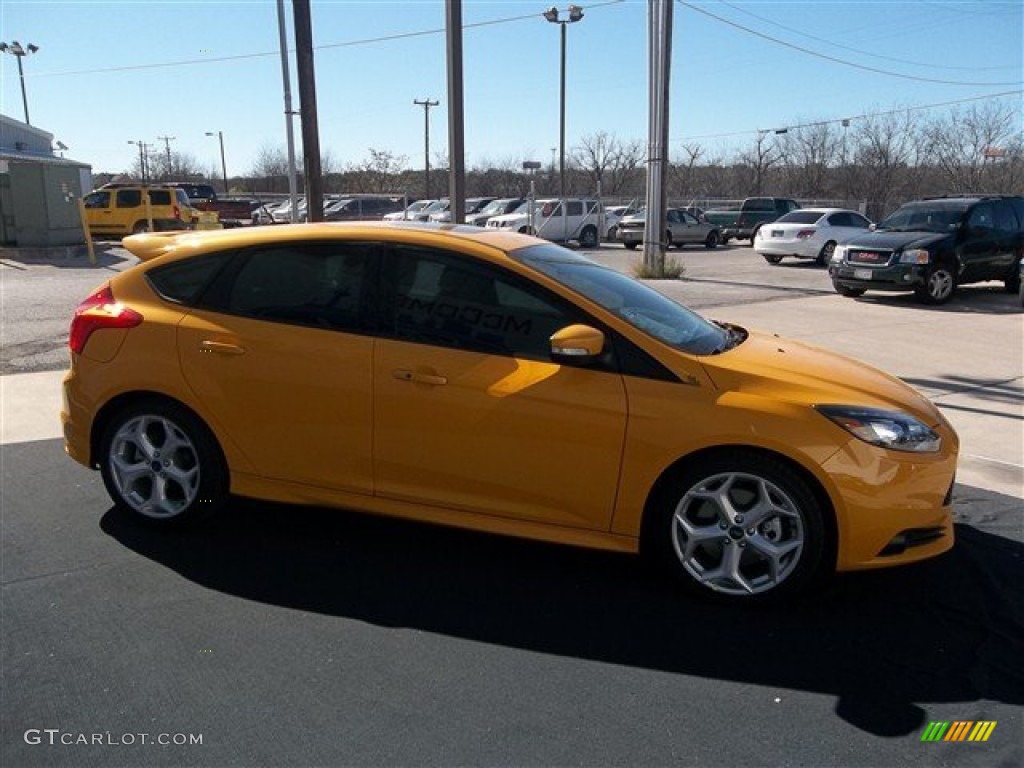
(420,378)
(221,347)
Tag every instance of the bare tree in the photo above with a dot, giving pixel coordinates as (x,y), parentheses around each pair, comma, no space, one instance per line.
(753,163)
(885,146)
(683,176)
(809,151)
(607,162)
(270,166)
(966,142)
(379,171)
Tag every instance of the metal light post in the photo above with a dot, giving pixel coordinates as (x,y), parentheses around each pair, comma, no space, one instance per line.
(223,165)
(552,15)
(15,49)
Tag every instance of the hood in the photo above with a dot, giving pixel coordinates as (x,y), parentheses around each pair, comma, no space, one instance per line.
(802,373)
(889,240)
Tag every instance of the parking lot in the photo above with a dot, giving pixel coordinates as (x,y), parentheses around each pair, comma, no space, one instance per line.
(295,636)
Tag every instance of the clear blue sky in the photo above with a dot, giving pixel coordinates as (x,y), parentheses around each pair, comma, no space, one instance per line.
(109,72)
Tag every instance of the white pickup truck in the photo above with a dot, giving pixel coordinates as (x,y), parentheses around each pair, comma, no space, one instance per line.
(582,221)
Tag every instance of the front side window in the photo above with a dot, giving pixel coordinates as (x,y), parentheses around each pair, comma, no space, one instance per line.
(99,199)
(981,217)
(637,304)
(924,217)
(325,285)
(446,300)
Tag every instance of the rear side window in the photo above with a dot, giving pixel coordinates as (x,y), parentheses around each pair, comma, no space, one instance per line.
(129,198)
(325,285)
(183,282)
(1006,221)
(159,197)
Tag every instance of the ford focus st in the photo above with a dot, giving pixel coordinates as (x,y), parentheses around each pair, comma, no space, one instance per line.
(495,381)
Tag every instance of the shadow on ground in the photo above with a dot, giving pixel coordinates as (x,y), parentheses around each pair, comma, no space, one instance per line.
(948,630)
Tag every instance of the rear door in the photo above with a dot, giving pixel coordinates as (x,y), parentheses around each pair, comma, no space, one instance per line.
(984,254)
(280,353)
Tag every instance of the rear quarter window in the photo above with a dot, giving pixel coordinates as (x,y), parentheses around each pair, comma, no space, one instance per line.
(183,282)
(159,197)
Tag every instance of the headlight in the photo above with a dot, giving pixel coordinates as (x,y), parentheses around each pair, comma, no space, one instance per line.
(914,256)
(894,430)
(839,254)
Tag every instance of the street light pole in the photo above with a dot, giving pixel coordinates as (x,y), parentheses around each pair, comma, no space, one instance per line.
(426,104)
(223,165)
(142,158)
(552,15)
(15,49)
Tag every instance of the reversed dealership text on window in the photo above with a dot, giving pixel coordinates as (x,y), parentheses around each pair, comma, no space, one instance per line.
(58,737)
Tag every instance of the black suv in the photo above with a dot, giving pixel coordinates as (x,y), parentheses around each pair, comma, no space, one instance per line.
(755,212)
(933,245)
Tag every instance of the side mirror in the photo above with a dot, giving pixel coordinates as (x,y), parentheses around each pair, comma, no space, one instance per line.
(577,345)
(873,227)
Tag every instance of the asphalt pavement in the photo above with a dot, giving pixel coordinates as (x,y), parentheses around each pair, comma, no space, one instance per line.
(281,635)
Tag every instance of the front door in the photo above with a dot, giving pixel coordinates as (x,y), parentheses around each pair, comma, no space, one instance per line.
(469,411)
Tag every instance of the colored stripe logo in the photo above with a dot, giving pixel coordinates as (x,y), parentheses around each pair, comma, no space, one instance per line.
(959,730)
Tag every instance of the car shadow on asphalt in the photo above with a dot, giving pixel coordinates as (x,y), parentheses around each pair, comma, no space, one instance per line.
(109,255)
(984,298)
(947,630)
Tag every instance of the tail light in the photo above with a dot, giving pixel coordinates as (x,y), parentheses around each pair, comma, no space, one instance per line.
(99,311)
(803,234)
(177,211)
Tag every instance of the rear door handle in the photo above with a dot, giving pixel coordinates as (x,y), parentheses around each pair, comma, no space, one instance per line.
(420,378)
(221,347)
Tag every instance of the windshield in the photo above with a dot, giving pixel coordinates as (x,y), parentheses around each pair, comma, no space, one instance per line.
(640,306)
(437,205)
(924,217)
(801,217)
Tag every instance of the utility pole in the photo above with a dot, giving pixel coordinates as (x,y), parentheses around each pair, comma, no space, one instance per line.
(426,104)
(307,101)
(167,145)
(456,117)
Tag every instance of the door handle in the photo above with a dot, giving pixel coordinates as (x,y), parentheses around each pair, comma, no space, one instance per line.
(221,347)
(420,378)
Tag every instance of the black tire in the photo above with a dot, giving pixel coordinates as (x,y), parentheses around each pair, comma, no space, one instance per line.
(1012,280)
(612,233)
(140,227)
(753,235)
(939,285)
(772,258)
(527,231)
(180,454)
(711,241)
(588,237)
(792,533)
(825,254)
(668,240)
(629,245)
(850,293)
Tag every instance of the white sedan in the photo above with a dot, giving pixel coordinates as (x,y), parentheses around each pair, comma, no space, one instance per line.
(809,233)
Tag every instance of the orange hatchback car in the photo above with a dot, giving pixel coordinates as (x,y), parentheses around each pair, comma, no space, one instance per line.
(498,382)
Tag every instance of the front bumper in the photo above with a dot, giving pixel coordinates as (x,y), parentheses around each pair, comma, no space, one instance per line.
(897,277)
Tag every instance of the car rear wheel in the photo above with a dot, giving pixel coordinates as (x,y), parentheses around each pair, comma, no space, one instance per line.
(939,285)
(161,464)
(1013,280)
(140,227)
(711,241)
(588,237)
(772,258)
(740,528)
(825,254)
(668,240)
(630,245)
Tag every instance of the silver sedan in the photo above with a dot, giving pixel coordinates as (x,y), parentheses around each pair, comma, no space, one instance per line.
(683,229)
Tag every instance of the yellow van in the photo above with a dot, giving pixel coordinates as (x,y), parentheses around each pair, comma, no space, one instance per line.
(121,209)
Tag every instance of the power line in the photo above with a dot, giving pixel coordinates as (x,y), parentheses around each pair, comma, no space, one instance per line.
(766,20)
(325,46)
(863,116)
(809,52)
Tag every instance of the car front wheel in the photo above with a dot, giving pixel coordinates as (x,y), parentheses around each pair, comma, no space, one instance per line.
(629,245)
(850,293)
(738,528)
(939,285)
(161,464)
(588,237)
(772,258)
(825,255)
